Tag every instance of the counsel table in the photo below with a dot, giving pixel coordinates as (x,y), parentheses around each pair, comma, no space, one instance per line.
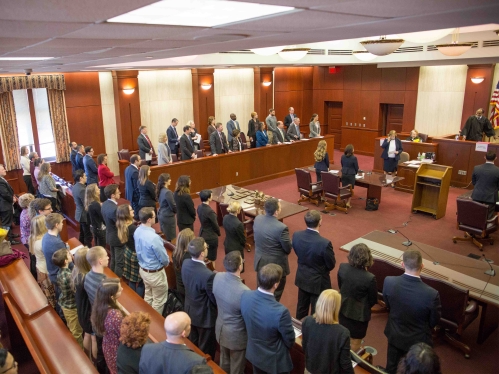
(462,271)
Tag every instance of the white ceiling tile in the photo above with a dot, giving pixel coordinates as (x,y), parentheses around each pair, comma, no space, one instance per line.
(88,43)
(15,29)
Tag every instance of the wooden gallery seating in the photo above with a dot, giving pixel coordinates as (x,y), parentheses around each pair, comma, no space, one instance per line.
(34,326)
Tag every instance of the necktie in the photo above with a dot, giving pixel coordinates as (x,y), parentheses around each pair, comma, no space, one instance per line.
(175,129)
(147,138)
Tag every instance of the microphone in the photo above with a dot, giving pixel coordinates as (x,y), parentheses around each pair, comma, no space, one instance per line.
(436,263)
(490,272)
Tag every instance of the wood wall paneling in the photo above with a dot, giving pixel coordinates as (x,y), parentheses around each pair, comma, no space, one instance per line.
(203,101)
(393,79)
(82,89)
(362,139)
(289,87)
(371,78)
(410,103)
(411,79)
(264,95)
(477,95)
(392,97)
(369,109)
(352,77)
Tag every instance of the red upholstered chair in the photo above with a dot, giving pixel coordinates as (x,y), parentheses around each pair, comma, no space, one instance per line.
(332,190)
(423,137)
(309,191)
(124,154)
(472,218)
(174,158)
(243,140)
(223,209)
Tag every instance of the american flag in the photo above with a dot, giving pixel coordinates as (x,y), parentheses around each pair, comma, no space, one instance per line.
(494,111)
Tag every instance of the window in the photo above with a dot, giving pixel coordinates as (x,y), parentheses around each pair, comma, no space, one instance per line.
(36,132)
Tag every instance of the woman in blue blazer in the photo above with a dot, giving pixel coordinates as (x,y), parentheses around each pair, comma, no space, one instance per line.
(349,168)
(262,138)
(392,148)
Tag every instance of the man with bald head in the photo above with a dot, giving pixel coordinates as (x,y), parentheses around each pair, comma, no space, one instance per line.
(171,356)
(476,125)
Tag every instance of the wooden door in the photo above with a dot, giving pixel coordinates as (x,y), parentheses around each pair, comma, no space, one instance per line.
(334,121)
(394,116)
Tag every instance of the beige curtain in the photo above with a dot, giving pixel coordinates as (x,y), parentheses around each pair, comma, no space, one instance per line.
(8,131)
(23,82)
(59,119)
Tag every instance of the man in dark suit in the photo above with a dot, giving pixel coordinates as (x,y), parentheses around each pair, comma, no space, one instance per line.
(79,157)
(294,129)
(72,157)
(172,135)
(7,199)
(90,167)
(268,323)
(281,135)
(414,309)
(171,356)
(78,191)
(200,303)
(230,328)
(272,242)
(486,181)
(315,261)
(131,183)
(187,145)
(476,125)
(218,142)
(145,145)
(108,210)
(288,120)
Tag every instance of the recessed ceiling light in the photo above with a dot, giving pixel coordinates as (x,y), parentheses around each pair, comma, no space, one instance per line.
(200,13)
(24,58)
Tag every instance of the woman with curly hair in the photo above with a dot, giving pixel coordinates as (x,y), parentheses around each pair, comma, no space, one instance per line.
(359,293)
(321,158)
(180,254)
(106,319)
(133,336)
(167,207)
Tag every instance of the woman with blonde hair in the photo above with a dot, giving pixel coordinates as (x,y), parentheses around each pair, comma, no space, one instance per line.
(133,335)
(321,158)
(349,169)
(93,207)
(38,230)
(164,151)
(126,228)
(46,185)
(147,189)
(180,254)
(315,127)
(325,342)
(83,306)
(392,148)
(414,136)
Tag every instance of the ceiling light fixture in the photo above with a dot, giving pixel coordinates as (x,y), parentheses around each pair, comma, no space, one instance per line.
(128,91)
(364,55)
(200,13)
(455,48)
(382,46)
(206,86)
(477,80)
(24,58)
(293,54)
(266,84)
(184,59)
(269,51)
(425,36)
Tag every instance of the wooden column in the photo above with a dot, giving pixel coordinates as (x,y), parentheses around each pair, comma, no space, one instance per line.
(127,108)
(203,100)
(264,95)
(477,95)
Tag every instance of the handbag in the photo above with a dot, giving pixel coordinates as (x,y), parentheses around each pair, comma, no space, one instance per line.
(372,204)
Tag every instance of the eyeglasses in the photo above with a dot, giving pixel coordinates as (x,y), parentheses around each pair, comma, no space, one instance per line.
(14,366)
(49,208)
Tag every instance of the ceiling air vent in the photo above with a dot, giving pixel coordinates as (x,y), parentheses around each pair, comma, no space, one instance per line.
(431,48)
(316,52)
(419,48)
(490,43)
(339,52)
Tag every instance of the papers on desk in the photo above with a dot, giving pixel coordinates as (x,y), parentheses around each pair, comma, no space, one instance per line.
(359,176)
(297,332)
(304,139)
(64,189)
(415,166)
(75,249)
(334,171)
(288,143)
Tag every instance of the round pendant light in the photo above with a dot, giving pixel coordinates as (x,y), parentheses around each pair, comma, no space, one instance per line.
(455,48)
(269,51)
(293,54)
(364,55)
(383,46)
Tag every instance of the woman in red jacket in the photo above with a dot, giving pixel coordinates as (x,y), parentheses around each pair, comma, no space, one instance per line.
(106,176)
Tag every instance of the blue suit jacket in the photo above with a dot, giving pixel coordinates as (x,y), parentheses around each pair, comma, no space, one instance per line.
(91,170)
(79,162)
(131,187)
(270,332)
(167,358)
(172,139)
(386,146)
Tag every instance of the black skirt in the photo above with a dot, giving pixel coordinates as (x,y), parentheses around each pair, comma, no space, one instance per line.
(357,329)
(390,165)
(347,179)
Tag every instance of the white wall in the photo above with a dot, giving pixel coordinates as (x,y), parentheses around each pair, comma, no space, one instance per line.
(165,94)
(440,99)
(234,93)
(109,120)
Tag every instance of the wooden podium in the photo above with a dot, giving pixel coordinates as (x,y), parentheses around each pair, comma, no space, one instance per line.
(431,189)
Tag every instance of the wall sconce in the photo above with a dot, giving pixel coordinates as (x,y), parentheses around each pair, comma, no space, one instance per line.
(477,80)
(266,84)
(129,91)
(206,86)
